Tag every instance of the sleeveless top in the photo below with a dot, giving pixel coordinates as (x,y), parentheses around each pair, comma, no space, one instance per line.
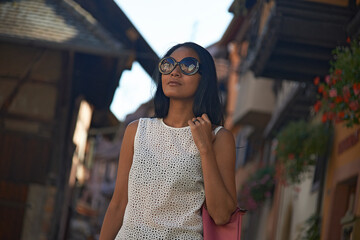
(165,186)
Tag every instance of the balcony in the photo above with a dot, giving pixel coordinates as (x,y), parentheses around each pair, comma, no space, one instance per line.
(294,39)
(255,101)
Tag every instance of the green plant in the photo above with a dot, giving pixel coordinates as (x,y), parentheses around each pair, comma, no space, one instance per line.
(299,144)
(258,187)
(311,229)
(339,92)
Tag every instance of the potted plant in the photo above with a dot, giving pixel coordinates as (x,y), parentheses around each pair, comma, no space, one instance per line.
(258,188)
(299,144)
(339,92)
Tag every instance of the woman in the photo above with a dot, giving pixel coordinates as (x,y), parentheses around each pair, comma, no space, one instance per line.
(172,164)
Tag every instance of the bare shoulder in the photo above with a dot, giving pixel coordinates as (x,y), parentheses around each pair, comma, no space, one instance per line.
(224,141)
(130,132)
(131,128)
(224,147)
(224,136)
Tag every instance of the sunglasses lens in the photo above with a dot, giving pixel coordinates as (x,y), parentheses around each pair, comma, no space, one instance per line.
(189,65)
(166,65)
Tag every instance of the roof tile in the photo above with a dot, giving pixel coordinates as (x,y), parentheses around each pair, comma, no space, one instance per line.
(61,23)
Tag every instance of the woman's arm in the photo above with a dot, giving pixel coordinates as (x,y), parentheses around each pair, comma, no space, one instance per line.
(218,162)
(115,212)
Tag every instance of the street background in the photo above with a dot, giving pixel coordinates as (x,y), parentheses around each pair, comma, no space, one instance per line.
(74,73)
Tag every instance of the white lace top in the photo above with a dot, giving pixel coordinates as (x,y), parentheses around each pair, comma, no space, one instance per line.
(166,187)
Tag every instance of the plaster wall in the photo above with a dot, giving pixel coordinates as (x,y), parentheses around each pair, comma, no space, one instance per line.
(255,94)
(297,204)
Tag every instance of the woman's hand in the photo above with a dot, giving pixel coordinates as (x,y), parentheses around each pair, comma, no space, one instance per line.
(201,129)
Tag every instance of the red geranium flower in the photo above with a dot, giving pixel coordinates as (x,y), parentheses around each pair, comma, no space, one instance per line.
(317,106)
(341,115)
(356,87)
(338,99)
(324,117)
(338,72)
(325,94)
(327,79)
(317,80)
(291,156)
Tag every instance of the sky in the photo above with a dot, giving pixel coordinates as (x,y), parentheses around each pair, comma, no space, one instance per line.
(164,23)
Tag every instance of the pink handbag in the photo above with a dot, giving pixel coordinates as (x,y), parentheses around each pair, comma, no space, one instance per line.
(229,231)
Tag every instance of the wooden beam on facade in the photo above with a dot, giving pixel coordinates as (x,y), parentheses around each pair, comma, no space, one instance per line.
(285,48)
(298,40)
(308,31)
(298,65)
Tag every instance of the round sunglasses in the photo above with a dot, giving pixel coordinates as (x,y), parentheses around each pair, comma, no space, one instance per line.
(188,65)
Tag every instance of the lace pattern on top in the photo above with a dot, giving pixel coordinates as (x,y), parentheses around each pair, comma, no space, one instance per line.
(166,187)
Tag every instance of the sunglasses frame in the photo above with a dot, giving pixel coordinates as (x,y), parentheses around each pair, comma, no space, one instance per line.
(197,67)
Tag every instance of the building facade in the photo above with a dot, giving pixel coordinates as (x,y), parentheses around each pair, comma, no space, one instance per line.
(60,64)
(274,50)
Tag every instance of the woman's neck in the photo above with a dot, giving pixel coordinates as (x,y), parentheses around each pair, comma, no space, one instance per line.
(179,113)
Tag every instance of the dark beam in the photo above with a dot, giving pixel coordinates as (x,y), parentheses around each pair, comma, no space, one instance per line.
(265,47)
(312,7)
(284,48)
(297,65)
(311,32)
(314,11)
(298,40)
(353,28)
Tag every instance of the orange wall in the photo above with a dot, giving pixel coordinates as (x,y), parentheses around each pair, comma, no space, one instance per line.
(265,14)
(340,166)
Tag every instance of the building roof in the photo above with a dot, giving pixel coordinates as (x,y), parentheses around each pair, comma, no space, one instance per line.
(108,13)
(55,23)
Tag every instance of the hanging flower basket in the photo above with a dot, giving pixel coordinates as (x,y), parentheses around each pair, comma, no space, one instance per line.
(339,92)
(259,187)
(299,144)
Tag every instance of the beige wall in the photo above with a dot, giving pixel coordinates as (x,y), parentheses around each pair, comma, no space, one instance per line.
(297,204)
(39,211)
(264,221)
(254,94)
(32,76)
(17,60)
(36,72)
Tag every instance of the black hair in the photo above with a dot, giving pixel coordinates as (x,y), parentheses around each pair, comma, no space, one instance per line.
(206,99)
